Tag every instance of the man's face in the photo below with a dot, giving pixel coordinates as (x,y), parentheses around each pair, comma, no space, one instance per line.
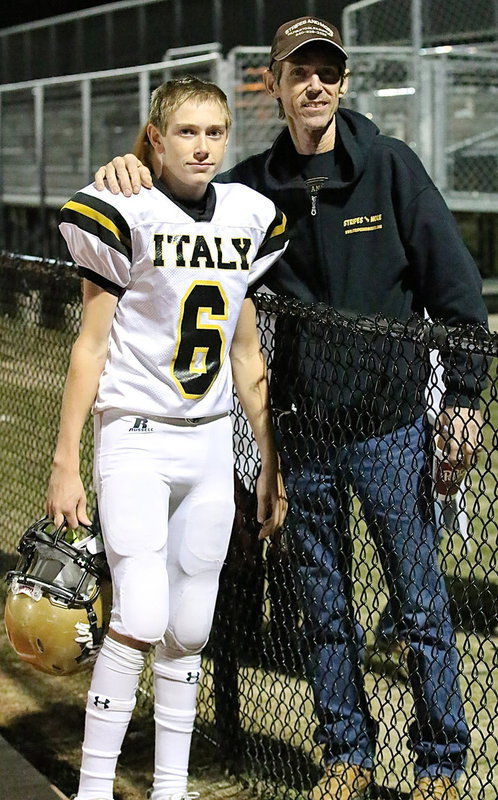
(310,86)
(193,147)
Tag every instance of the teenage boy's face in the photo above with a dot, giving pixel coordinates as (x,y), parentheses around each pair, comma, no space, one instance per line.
(192,149)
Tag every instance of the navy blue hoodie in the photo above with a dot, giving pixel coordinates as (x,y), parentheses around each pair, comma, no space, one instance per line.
(370,234)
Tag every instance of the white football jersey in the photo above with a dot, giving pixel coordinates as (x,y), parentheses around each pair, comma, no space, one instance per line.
(181,277)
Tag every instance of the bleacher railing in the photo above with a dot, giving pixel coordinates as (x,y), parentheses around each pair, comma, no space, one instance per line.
(55,132)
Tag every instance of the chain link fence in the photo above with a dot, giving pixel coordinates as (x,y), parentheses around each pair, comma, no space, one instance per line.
(255,701)
(419,23)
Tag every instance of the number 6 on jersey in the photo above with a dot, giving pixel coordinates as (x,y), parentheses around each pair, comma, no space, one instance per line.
(200,346)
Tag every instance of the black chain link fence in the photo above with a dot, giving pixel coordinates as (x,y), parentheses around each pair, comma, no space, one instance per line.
(287,628)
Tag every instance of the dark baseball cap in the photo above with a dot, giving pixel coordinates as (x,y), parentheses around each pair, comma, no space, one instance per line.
(294,34)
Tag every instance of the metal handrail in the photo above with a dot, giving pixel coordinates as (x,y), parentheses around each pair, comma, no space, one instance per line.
(110,73)
(74,15)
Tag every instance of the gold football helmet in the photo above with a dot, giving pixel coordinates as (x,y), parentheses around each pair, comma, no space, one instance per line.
(59,598)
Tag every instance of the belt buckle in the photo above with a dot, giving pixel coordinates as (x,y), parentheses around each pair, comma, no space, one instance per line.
(192,420)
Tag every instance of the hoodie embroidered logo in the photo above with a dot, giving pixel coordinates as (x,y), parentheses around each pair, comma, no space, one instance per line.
(372,222)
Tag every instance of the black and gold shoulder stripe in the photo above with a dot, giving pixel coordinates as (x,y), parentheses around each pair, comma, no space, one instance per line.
(276,235)
(96,216)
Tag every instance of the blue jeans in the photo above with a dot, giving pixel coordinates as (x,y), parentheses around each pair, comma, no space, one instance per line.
(388,473)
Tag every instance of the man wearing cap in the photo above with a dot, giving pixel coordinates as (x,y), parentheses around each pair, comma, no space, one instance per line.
(370,234)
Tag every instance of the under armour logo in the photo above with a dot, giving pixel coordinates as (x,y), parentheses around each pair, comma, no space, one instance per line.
(104,703)
(193,677)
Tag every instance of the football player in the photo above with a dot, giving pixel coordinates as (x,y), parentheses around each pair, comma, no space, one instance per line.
(167,321)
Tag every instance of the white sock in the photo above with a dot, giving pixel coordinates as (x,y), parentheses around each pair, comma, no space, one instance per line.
(175,686)
(110,703)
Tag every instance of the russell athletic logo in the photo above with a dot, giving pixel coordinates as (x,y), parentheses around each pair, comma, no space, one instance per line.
(141,425)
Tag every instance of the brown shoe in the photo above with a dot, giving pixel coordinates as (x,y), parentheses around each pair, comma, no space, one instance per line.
(342,781)
(438,787)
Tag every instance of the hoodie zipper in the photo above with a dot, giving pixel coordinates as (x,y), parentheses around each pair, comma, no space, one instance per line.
(313,186)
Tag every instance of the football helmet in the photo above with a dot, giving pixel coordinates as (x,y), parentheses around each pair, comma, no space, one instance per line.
(58,602)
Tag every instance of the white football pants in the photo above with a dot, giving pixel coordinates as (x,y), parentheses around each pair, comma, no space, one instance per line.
(166,505)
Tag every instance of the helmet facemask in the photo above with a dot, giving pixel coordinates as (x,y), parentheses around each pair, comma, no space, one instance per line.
(58,603)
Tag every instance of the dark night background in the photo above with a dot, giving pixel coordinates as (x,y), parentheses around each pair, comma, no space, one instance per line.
(18,12)
(137,33)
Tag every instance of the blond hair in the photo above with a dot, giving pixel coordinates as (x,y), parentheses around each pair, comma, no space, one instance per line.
(168,97)
(143,149)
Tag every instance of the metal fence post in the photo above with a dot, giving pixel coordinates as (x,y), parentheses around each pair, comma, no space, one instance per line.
(39,101)
(439,120)
(425,119)
(143,97)
(417,34)
(225,78)
(225,673)
(86,127)
(2,187)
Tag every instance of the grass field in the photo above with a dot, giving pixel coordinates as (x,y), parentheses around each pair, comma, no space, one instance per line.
(276,711)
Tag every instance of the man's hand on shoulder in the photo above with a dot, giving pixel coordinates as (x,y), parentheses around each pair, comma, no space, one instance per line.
(125,174)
